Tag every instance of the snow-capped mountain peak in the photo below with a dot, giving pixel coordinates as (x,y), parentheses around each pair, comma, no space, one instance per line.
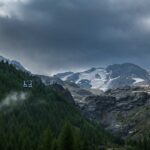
(113,76)
(95,78)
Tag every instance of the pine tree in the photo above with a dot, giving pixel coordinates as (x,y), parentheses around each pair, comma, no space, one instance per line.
(66,138)
(78,140)
(145,143)
(54,145)
(46,140)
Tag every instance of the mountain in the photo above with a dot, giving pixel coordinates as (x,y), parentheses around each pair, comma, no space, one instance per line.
(113,76)
(33,118)
(117,108)
(16,64)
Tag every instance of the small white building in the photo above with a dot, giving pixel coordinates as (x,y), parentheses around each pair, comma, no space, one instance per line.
(27,84)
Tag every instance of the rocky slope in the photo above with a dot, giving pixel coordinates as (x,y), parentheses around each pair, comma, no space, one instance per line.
(122,111)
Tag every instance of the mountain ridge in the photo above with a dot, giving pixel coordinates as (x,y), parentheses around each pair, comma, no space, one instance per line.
(15,63)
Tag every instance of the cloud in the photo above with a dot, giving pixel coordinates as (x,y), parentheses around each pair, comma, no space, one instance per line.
(50,36)
(10,8)
(13,98)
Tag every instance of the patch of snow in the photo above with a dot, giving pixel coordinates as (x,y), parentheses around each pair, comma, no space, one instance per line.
(105,87)
(95,82)
(102,82)
(137,80)
(66,77)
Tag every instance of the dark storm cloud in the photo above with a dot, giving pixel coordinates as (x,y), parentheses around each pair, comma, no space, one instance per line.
(53,35)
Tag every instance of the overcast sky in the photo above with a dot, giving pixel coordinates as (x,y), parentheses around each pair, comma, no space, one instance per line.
(49,36)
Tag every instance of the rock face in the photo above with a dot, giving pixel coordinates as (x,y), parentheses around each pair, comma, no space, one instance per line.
(111,77)
(120,111)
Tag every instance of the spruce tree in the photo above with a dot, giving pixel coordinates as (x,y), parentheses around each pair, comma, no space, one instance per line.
(46,140)
(66,138)
(54,145)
